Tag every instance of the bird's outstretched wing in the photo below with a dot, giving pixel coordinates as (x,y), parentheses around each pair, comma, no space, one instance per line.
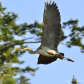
(51,26)
(43,59)
(46,60)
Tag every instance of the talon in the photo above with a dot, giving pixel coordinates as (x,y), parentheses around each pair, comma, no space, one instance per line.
(70,59)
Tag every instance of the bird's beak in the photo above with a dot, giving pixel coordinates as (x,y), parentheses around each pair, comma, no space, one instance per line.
(17,49)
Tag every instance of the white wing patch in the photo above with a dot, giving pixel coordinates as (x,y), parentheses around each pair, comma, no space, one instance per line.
(51,51)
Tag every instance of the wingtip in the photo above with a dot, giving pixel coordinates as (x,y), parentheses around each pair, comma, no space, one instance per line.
(47,1)
(50,3)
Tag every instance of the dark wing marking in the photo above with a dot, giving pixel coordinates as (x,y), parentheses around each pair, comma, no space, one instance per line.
(46,59)
(52,28)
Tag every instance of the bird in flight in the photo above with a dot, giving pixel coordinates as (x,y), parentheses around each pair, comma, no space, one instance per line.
(51,36)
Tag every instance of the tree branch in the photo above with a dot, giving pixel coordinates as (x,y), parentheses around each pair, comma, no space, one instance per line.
(12,45)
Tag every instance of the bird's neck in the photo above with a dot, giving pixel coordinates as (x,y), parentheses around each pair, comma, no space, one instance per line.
(32,52)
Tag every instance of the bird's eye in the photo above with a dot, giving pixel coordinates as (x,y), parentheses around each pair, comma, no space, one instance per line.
(23,47)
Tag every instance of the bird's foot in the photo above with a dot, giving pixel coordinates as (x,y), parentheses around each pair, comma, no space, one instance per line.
(68,59)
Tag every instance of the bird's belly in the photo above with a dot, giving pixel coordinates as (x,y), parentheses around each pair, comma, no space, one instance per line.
(47,52)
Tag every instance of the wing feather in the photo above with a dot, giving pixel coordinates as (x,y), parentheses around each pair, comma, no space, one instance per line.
(52,28)
(46,60)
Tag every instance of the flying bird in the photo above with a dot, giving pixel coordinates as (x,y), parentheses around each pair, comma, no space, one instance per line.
(51,36)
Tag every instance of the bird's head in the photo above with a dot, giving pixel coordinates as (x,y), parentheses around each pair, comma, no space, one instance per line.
(23,49)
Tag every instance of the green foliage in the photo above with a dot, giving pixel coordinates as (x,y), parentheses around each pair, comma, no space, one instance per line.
(9,29)
(63,36)
(22,80)
(74,81)
(76,34)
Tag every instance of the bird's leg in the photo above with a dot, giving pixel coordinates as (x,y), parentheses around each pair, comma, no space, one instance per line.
(61,56)
(68,59)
